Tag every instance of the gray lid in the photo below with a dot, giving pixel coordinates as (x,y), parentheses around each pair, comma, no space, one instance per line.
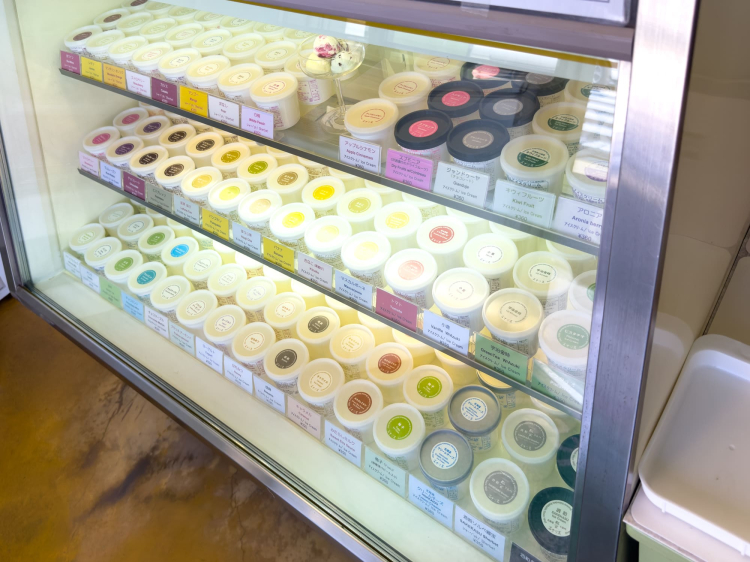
(446,458)
(474,410)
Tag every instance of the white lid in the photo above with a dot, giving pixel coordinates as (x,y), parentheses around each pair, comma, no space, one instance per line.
(530,436)
(490,254)
(258,206)
(155,30)
(284,310)
(532,155)
(130,118)
(168,293)
(112,216)
(343,176)
(181,36)
(100,43)
(371,322)
(252,341)
(277,276)
(208,18)
(327,234)
(176,63)
(337,305)
(99,140)
(147,58)
(288,178)
(274,55)
(240,77)
(173,170)
(435,66)
(542,274)
(148,159)
(563,120)
(389,364)
(366,251)
(177,136)
(399,429)
(516,235)
(224,251)
(182,15)
(255,293)
(153,241)
(122,50)
(297,35)
(211,42)
(195,307)
(122,264)
(204,144)
(269,30)
(207,70)
(225,280)
(144,278)
(500,490)
(564,337)
(513,312)
(152,127)
(274,87)
(357,403)
(352,343)
(359,205)
(398,220)
(200,181)
(223,323)
(414,346)
(201,265)
(157,8)
(134,5)
(237,26)
(319,381)
(228,157)
(285,360)
(226,195)
(255,169)
(410,270)
(102,251)
(547,409)
(581,292)
(317,324)
(428,388)
(279,154)
(460,290)
(132,23)
(78,37)
(323,193)
(290,221)
(179,250)
(442,235)
(248,263)
(587,171)
(130,229)
(465,218)
(83,238)
(243,46)
(568,253)
(419,202)
(404,88)
(305,291)
(371,116)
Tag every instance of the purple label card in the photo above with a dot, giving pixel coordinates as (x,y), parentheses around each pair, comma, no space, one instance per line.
(88,163)
(164,92)
(398,310)
(70,62)
(134,185)
(256,121)
(408,169)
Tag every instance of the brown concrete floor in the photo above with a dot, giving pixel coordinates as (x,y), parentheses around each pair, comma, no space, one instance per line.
(91,472)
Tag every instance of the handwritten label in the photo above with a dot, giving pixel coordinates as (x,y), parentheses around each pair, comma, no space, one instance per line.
(269,394)
(579,220)
(446,333)
(344,444)
(187,210)
(238,374)
(524,203)
(132,306)
(360,154)
(111,174)
(138,83)
(224,111)
(479,534)
(385,472)
(134,185)
(354,289)
(462,184)
(90,279)
(315,270)
(209,355)
(400,311)
(72,264)
(278,254)
(70,62)
(409,169)
(246,238)
(92,69)
(88,163)
(110,292)
(182,338)
(157,322)
(215,223)
(428,500)
(159,198)
(501,358)
(257,121)
(562,388)
(194,101)
(304,417)
(115,76)
(164,92)
(518,554)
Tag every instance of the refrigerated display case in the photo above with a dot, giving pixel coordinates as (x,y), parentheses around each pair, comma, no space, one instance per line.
(400,263)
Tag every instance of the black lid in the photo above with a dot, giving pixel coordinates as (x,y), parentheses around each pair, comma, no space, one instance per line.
(478,140)
(552,510)
(423,129)
(543,85)
(456,99)
(488,76)
(509,108)
(567,464)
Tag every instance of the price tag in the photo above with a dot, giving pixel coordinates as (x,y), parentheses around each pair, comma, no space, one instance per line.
(428,500)
(315,270)
(92,69)
(215,223)
(111,174)
(354,289)
(385,472)
(480,534)
(258,122)
(446,333)
(164,92)
(157,322)
(518,554)
(159,197)
(579,220)
(525,204)
(562,388)
(248,239)
(115,76)
(88,163)
(70,62)
(134,185)
(224,111)
(132,306)
(187,210)
(360,154)
(238,374)
(209,355)
(462,184)
(400,311)
(138,83)
(409,169)
(304,417)
(182,338)
(344,444)
(72,264)
(269,394)
(90,279)
(110,292)
(501,358)
(278,254)
(194,101)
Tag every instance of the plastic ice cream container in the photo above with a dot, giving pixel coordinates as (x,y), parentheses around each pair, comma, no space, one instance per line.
(255,210)
(297,36)
(477,145)
(119,267)
(253,295)
(475,413)
(172,171)
(277,93)
(121,51)
(157,9)
(398,222)
(359,208)
(564,337)
(226,253)
(492,255)
(289,223)
(144,278)
(429,388)
(350,182)
(225,197)
(196,185)
(491,78)
(222,325)
(235,82)
(387,194)
(314,169)
(322,194)
(325,237)
(282,158)
(545,275)
(194,309)
(113,216)
(282,313)
(587,173)
(288,181)
(179,228)
(225,281)
(424,133)
(350,346)
(581,292)
(130,230)
(513,317)
(373,121)
(562,121)
(444,238)
(251,344)
(156,30)
(159,219)
(76,39)
(547,89)
(211,42)
(312,297)
(387,366)
(153,241)
(525,243)
(146,59)
(459,372)
(237,26)
(269,32)
(204,242)
(174,65)
(182,15)
(132,24)
(99,140)
(253,268)
(585,92)
(168,293)
(273,56)
(318,384)
(203,74)
(550,516)
(460,294)
(458,100)
(98,45)
(283,282)
(429,209)
(85,237)
(202,147)
(150,129)
(209,20)
(500,492)
(579,261)
(199,267)
(421,353)
(382,332)
(356,406)
(505,394)
(181,36)
(177,252)
(474,225)
(176,138)
(513,110)
(446,459)
(407,90)
(531,439)
(347,315)
(134,6)
(410,274)
(227,158)
(126,121)
(315,328)
(310,91)
(567,460)
(438,69)
(398,432)
(364,255)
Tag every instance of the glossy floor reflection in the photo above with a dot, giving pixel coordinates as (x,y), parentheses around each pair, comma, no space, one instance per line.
(90,471)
